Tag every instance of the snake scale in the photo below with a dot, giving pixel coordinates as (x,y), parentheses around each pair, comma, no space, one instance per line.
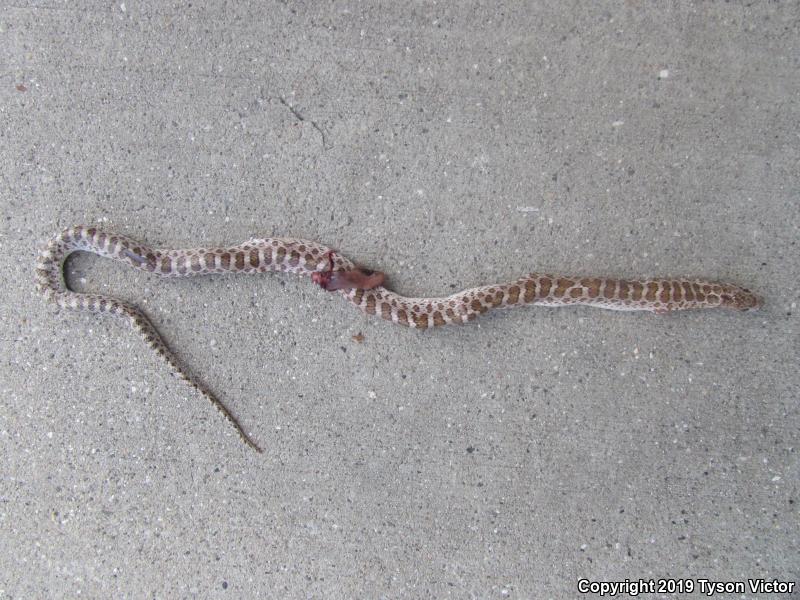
(360,287)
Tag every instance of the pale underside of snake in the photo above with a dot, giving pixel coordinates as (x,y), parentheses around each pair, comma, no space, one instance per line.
(360,287)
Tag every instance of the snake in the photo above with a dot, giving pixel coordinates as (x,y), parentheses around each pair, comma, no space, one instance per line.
(359,286)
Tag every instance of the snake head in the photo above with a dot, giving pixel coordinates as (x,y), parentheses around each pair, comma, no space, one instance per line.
(738,298)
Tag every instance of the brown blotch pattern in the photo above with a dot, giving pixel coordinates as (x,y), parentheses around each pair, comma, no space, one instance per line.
(610,289)
(530,291)
(386,311)
(592,287)
(513,294)
(677,292)
(652,288)
(562,285)
(421,319)
(545,284)
(687,290)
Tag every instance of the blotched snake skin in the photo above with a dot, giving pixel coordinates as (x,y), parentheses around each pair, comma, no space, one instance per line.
(336,273)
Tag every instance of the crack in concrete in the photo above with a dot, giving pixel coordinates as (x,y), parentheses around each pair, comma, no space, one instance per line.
(302,119)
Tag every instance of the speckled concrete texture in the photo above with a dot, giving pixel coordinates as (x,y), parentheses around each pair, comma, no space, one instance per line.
(450,145)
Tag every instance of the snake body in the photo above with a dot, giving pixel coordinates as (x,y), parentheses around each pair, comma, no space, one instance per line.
(303,257)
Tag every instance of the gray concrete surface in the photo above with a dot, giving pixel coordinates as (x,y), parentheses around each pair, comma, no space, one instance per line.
(449,145)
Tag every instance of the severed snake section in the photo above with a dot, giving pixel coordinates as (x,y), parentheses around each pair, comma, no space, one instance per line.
(360,287)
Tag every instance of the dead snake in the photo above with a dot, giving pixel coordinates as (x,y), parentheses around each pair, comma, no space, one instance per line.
(360,287)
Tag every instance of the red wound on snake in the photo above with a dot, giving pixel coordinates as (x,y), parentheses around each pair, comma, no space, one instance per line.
(323,278)
(362,279)
(357,278)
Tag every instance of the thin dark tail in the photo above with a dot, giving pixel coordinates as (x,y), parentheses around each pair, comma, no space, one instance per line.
(156,342)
